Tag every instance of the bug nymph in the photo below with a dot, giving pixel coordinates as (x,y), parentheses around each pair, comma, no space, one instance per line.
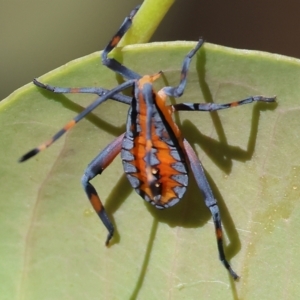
(152,148)
(154,154)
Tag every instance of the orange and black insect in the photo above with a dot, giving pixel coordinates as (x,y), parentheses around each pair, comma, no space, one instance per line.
(156,158)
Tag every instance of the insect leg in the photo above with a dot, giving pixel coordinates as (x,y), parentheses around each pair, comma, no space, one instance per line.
(85,90)
(178,90)
(111,62)
(216,106)
(210,202)
(80,116)
(97,166)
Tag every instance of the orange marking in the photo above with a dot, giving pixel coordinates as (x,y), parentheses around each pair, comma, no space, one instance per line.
(74,90)
(155,76)
(162,95)
(148,79)
(167,112)
(234,104)
(45,145)
(143,81)
(219,233)
(163,151)
(42,147)
(115,41)
(132,127)
(96,203)
(69,125)
(148,145)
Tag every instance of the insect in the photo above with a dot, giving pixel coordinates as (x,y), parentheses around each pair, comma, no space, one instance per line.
(156,158)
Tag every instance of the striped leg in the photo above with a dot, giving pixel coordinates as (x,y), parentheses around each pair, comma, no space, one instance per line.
(111,62)
(216,106)
(79,117)
(178,90)
(210,202)
(97,166)
(85,90)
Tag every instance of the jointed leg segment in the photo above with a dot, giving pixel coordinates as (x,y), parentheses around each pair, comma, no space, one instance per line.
(111,62)
(96,167)
(210,202)
(216,106)
(86,90)
(79,117)
(178,90)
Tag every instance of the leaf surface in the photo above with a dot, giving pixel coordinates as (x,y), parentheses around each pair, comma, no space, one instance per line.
(52,243)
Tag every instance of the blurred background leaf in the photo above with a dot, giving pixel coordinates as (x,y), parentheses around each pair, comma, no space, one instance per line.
(38,36)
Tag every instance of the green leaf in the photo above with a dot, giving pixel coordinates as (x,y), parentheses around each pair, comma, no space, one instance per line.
(52,243)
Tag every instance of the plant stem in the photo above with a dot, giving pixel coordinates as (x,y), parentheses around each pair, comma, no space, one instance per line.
(146,21)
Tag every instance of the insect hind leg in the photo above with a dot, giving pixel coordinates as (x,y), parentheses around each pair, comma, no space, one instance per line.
(210,202)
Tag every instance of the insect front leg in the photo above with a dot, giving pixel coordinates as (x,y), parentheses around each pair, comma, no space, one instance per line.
(210,202)
(96,167)
(178,90)
(113,64)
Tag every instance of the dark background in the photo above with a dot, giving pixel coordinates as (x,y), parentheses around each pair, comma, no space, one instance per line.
(38,36)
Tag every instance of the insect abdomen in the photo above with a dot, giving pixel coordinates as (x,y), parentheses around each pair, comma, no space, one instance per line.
(171,173)
(168,166)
